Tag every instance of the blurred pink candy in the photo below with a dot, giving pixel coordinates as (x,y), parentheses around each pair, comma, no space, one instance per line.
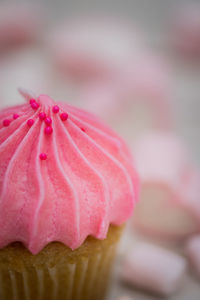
(121,81)
(94,47)
(153,269)
(134,100)
(192,251)
(101,99)
(19,24)
(143,81)
(186,31)
(170,201)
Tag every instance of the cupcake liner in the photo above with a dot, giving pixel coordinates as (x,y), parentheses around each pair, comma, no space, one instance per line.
(80,275)
(81,280)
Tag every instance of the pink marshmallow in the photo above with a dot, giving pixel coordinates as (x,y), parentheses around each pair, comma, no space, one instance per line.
(122,82)
(143,81)
(153,269)
(19,24)
(160,156)
(192,251)
(169,206)
(145,84)
(95,47)
(133,100)
(186,31)
(101,99)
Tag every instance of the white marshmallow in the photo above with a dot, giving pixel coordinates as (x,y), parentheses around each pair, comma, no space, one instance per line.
(192,251)
(169,206)
(154,269)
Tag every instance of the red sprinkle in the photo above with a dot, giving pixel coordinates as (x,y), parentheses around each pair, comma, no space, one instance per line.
(83,129)
(43,156)
(64,116)
(15,116)
(48,121)
(55,109)
(30,122)
(42,116)
(6,123)
(48,130)
(34,105)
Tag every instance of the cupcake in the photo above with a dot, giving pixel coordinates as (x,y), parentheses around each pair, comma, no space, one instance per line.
(67,186)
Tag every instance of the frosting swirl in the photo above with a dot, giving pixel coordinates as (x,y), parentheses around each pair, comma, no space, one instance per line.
(63,175)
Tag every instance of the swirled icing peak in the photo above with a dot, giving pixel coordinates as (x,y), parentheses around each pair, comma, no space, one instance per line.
(63,175)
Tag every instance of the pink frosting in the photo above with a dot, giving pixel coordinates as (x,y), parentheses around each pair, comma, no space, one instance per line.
(63,183)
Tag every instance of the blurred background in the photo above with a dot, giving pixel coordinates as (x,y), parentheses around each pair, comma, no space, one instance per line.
(136,65)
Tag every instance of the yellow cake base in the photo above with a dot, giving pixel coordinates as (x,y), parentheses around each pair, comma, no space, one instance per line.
(57,272)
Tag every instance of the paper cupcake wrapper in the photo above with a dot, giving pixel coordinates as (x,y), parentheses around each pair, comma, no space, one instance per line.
(84,280)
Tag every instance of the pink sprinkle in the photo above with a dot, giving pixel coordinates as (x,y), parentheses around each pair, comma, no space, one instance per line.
(34,105)
(43,156)
(30,122)
(6,123)
(32,101)
(83,129)
(15,116)
(64,116)
(56,109)
(48,121)
(48,130)
(42,116)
